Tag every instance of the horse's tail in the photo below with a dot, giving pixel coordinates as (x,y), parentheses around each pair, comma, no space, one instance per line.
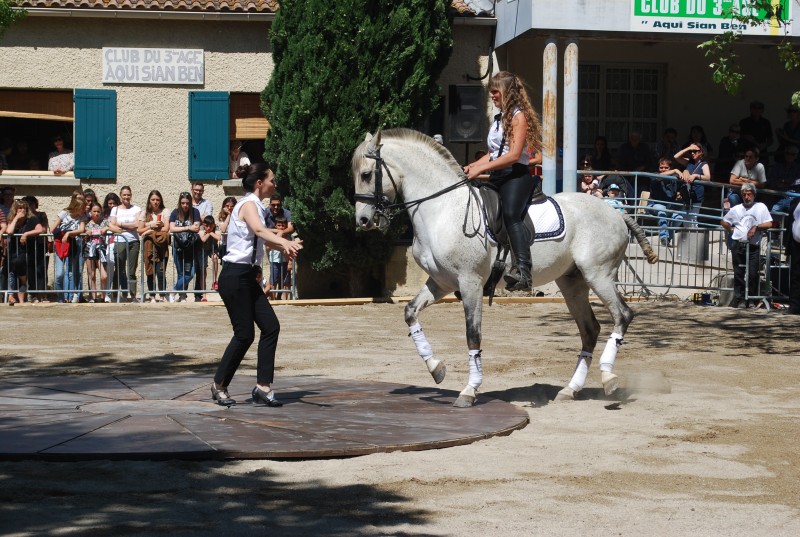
(638,233)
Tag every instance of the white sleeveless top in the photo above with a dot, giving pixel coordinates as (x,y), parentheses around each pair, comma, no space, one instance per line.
(495,138)
(240,236)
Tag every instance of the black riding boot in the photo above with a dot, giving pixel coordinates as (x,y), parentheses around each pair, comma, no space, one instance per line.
(519,277)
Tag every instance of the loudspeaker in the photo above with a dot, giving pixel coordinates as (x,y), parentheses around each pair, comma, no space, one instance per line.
(466,113)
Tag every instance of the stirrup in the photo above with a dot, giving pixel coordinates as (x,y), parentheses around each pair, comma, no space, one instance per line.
(517,281)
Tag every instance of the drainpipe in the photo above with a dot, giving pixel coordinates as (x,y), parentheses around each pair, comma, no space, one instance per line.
(570,159)
(549,119)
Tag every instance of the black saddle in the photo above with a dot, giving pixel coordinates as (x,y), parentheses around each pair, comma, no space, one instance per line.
(493,212)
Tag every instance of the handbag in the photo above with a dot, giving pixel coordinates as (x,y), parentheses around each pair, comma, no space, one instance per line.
(185,239)
(61,248)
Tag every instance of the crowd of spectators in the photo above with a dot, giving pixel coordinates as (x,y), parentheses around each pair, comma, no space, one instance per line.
(751,152)
(750,157)
(95,246)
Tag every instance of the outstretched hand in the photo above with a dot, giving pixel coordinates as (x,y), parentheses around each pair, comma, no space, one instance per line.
(292,248)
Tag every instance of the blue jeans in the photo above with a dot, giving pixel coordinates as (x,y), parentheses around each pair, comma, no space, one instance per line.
(659,210)
(782,206)
(187,264)
(734,199)
(66,271)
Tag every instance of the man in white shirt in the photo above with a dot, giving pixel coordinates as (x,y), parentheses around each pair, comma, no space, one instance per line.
(204,206)
(746,171)
(745,222)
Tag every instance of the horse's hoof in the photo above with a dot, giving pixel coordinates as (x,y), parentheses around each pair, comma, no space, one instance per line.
(437,369)
(610,382)
(466,398)
(566,394)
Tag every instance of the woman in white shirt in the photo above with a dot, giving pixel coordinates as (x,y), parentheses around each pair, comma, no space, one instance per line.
(241,293)
(514,136)
(125,222)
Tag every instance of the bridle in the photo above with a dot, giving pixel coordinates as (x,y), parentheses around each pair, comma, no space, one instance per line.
(384,208)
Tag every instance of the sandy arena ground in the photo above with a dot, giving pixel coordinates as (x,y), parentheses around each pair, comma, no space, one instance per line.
(703,441)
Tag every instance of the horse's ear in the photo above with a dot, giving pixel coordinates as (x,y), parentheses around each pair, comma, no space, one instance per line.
(368,137)
(377,137)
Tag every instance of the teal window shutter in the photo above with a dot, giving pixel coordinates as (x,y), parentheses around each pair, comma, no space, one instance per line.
(208,134)
(95,134)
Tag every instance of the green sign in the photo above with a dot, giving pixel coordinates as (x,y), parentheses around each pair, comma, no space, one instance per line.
(708,16)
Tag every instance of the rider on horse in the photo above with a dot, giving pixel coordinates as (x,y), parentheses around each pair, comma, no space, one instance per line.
(515,133)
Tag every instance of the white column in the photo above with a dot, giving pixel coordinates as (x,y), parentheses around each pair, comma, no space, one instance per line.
(570,156)
(549,116)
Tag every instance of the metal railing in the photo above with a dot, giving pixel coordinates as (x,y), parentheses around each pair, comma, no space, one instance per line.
(38,271)
(696,255)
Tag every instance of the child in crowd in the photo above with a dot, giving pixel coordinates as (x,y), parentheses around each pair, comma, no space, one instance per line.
(94,247)
(279,265)
(591,185)
(210,238)
(613,199)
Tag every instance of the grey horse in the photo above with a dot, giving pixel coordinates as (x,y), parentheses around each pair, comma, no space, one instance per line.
(452,246)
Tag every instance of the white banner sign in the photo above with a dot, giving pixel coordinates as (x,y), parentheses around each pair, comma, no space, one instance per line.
(153,66)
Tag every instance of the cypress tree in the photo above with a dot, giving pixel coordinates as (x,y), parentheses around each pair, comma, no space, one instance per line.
(343,69)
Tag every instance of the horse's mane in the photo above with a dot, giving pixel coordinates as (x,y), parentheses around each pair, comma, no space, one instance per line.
(412,135)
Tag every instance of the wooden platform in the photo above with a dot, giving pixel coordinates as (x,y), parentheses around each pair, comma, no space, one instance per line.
(169,417)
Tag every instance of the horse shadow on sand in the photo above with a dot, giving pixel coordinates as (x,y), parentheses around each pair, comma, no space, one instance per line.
(541,395)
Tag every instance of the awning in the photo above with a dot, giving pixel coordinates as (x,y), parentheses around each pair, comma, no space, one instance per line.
(247,120)
(35,104)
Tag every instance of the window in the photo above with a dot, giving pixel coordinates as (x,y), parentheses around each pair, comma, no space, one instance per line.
(614,100)
(216,118)
(31,119)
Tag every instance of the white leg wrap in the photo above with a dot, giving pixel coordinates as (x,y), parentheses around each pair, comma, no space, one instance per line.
(423,347)
(609,355)
(475,369)
(581,371)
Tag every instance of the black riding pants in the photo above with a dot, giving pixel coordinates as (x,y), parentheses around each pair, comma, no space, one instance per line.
(515,187)
(247,304)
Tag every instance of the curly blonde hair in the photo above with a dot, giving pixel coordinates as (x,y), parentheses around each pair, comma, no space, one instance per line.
(515,97)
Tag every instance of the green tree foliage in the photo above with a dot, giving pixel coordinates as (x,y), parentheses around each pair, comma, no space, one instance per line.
(343,69)
(721,50)
(8,15)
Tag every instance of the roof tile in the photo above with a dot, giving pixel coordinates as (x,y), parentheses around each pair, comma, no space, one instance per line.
(231,6)
(462,7)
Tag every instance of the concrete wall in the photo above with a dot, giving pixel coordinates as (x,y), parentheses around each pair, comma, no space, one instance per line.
(152,121)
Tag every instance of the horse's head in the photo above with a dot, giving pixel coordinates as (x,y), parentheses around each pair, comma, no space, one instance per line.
(414,166)
(371,198)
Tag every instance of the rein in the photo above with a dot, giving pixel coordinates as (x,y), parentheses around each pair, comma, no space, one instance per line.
(383,205)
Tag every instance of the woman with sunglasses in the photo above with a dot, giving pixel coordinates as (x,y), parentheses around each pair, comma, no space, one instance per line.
(691,193)
(241,293)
